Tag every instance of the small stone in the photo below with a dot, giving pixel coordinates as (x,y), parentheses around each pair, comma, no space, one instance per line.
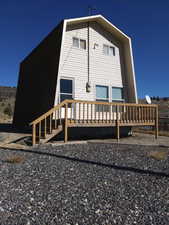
(97,211)
(28,223)
(1,209)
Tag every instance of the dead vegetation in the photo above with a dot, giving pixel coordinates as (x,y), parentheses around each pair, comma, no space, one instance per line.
(7,101)
(15,159)
(159,155)
(6,110)
(144,131)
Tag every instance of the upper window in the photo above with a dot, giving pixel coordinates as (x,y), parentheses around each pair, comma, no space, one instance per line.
(76,42)
(108,50)
(102,93)
(117,94)
(79,43)
(83,44)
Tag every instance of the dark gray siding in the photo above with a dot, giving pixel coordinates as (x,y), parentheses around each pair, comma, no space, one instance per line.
(38,79)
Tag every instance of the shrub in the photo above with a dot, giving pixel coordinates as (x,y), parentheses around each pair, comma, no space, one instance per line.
(15,159)
(8,110)
(159,155)
(2,104)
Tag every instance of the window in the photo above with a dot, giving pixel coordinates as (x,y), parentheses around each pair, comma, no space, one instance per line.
(108,50)
(66,89)
(112,51)
(117,94)
(76,42)
(79,43)
(83,44)
(102,93)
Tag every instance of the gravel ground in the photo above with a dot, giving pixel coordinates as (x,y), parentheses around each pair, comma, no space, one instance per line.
(84,184)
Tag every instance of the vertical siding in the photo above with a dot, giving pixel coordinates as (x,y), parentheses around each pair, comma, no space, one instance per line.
(104,70)
(37,80)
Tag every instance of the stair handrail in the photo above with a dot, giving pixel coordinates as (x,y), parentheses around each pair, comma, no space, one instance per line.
(109,103)
(40,118)
(82,101)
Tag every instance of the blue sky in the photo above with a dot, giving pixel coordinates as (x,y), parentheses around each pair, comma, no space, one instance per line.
(24,24)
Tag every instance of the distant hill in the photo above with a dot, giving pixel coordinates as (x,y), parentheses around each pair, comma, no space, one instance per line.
(7,92)
(163,105)
(7,102)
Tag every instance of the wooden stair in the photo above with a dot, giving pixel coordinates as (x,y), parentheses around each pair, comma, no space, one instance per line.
(48,137)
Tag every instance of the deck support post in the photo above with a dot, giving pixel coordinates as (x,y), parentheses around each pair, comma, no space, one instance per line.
(117,123)
(66,123)
(156,123)
(34,134)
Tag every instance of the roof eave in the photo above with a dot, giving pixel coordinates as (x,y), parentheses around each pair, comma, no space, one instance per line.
(104,22)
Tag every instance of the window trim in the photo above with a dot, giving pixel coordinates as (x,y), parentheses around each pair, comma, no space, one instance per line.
(102,99)
(64,93)
(106,107)
(122,93)
(73,38)
(79,46)
(81,40)
(109,46)
(109,92)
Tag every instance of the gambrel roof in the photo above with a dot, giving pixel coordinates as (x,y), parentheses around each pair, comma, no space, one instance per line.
(39,71)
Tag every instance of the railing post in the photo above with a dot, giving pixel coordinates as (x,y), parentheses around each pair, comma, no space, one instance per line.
(156,123)
(50,123)
(34,134)
(45,128)
(66,122)
(117,123)
(39,131)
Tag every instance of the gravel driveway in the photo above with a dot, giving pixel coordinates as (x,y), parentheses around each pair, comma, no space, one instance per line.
(84,184)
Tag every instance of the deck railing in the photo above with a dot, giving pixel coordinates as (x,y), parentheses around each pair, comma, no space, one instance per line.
(71,113)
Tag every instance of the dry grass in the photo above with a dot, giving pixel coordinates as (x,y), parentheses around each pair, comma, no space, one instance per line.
(15,159)
(159,155)
(160,133)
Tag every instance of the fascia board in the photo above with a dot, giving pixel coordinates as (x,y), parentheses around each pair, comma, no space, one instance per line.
(100,19)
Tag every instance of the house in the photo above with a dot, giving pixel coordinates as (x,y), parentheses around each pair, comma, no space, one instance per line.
(87,59)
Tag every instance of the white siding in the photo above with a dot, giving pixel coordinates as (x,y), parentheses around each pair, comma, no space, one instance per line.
(104,70)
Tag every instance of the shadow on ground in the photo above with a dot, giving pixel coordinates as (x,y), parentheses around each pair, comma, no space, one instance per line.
(9,128)
(111,166)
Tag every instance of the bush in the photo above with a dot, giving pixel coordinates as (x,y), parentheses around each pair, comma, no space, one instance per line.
(8,110)
(15,159)
(2,104)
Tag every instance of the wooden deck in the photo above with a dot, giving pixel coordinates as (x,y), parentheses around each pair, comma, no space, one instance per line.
(77,113)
